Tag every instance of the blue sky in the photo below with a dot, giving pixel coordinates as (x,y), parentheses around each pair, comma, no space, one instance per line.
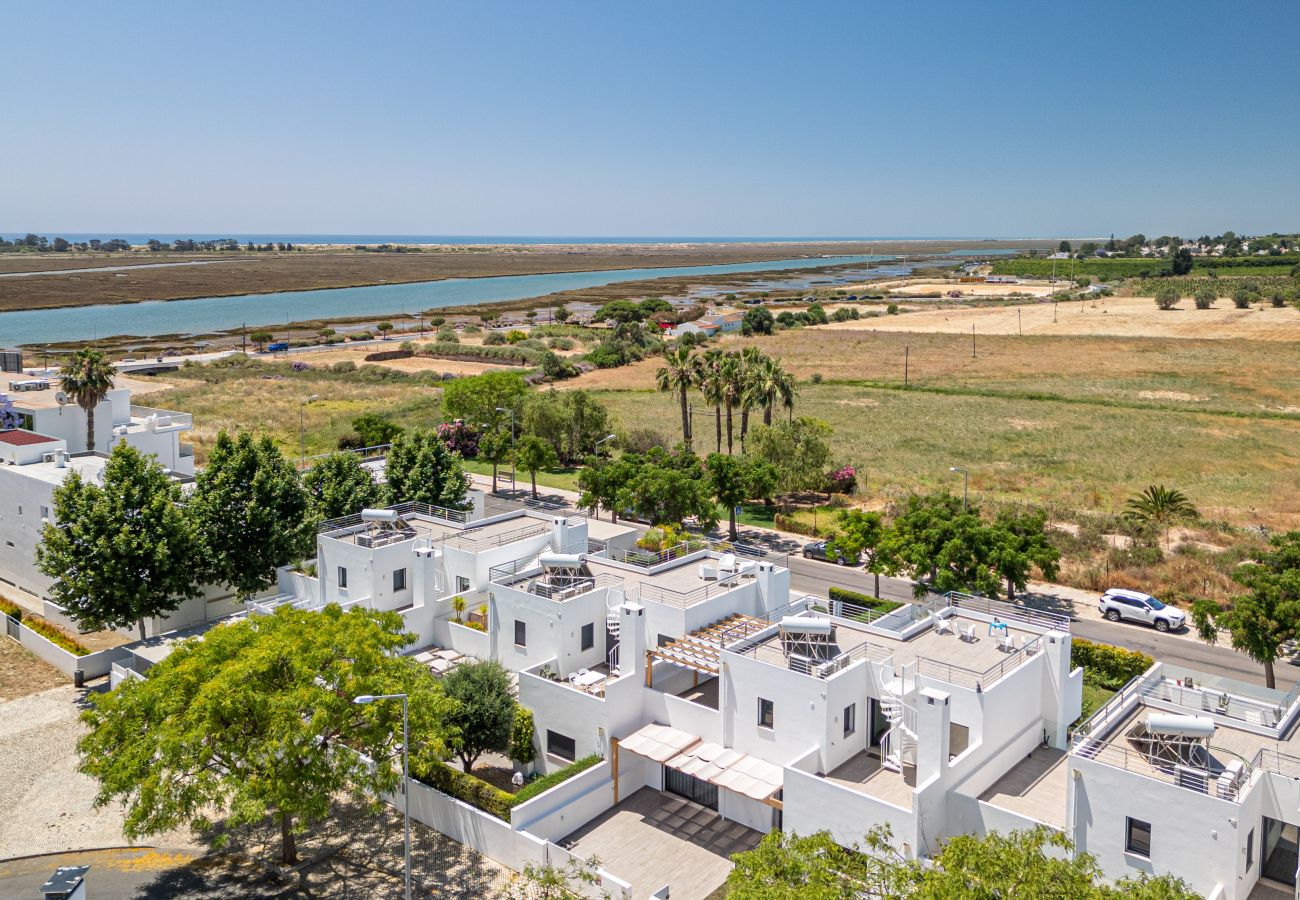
(662,118)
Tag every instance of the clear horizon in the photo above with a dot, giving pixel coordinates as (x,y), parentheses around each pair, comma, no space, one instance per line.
(724,120)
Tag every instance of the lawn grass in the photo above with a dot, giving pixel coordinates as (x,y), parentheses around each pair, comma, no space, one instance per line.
(1094,698)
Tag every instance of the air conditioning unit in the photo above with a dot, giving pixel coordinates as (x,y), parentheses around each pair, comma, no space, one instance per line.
(47,457)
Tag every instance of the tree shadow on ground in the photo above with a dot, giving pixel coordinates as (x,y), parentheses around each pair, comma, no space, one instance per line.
(357,853)
(1047,602)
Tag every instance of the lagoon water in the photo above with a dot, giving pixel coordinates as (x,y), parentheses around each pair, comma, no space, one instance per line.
(209,314)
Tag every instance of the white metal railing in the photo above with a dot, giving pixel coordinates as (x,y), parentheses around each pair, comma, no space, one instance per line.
(1013,612)
(1114,709)
(163,418)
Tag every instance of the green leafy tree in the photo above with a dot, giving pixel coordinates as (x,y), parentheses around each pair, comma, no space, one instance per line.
(943,546)
(798,450)
(577,879)
(679,374)
(1204,297)
(1160,507)
(758,320)
(1032,863)
(87,378)
(562,314)
(384,328)
(257,718)
(620,311)
(533,454)
(667,488)
(374,430)
(570,421)
(122,552)
(1180,262)
(480,399)
(421,469)
(523,736)
(1166,297)
(483,717)
(1020,544)
(251,512)
(261,338)
(861,534)
(494,447)
(735,479)
(340,486)
(602,481)
(1261,621)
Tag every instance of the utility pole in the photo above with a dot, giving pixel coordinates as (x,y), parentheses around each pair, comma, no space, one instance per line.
(1019,328)
(972,340)
(243,337)
(906,353)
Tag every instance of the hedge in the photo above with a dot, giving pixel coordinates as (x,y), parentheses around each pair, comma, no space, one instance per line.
(474,791)
(1107,666)
(56,635)
(515,355)
(13,610)
(546,782)
(788,523)
(383,355)
(489,798)
(877,603)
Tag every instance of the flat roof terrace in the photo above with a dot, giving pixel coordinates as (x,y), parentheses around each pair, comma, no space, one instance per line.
(1034,787)
(949,656)
(471,536)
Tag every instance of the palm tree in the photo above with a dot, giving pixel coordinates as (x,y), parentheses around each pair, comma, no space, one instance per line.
(1160,507)
(711,386)
(787,390)
(731,376)
(680,374)
(87,378)
(752,361)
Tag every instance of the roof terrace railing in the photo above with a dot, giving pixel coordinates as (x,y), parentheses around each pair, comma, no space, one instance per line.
(1222,783)
(970,678)
(409,507)
(1113,710)
(1013,612)
(467,541)
(1270,760)
(165,418)
(684,599)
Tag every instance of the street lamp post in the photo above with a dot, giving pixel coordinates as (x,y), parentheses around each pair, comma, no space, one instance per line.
(608,437)
(965,484)
(302,427)
(406,775)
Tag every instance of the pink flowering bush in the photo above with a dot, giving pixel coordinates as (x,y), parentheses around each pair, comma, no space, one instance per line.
(843,480)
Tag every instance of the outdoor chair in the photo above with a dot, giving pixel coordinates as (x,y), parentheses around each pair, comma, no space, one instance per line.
(727,563)
(1006,643)
(941,625)
(708,573)
(967,633)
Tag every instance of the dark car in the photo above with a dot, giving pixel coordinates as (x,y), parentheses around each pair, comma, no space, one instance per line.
(819,550)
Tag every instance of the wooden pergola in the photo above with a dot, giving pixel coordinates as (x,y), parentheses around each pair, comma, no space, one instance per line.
(701,651)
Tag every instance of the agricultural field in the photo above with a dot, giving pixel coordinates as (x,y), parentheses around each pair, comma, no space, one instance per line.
(1109,268)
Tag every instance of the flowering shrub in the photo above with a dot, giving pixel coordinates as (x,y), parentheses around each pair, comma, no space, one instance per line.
(843,480)
(459,438)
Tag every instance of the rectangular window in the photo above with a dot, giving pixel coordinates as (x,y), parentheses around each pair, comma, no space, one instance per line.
(462,584)
(765,713)
(1138,838)
(850,719)
(45,512)
(663,640)
(399,579)
(521,634)
(1250,849)
(343,577)
(561,745)
(588,636)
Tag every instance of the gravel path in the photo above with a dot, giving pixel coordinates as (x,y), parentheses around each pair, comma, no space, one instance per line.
(47,805)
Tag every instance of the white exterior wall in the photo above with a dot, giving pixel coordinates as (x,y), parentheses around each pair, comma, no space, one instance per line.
(799,708)
(1196,836)
(21,499)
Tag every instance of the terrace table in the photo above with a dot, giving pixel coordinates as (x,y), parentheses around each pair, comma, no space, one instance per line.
(588,679)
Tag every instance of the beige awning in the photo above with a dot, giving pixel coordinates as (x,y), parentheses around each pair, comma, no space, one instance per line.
(658,742)
(731,769)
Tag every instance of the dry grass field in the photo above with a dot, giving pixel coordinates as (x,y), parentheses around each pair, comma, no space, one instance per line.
(357,356)
(1073,422)
(1116,316)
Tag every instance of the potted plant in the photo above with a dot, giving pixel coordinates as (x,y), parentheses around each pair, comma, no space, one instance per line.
(458,606)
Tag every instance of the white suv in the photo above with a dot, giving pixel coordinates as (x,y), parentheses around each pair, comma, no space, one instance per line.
(1117,604)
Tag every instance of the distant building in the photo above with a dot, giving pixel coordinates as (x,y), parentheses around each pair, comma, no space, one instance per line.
(11,361)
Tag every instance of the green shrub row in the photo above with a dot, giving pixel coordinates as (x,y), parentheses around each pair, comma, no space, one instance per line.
(383,355)
(13,610)
(489,798)
(1107,666)
(546,782)
(474,791)
(524,355)
(56,635)
(876,603)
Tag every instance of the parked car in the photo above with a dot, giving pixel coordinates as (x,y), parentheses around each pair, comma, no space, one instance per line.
(277,347)
(819,550)
(1118,604)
